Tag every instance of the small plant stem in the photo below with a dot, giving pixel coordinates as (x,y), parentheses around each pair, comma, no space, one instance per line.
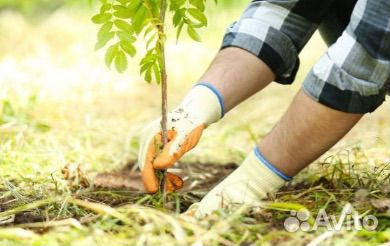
(164,97)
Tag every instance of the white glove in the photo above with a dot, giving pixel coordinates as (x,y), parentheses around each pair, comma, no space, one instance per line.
(247,185)
(201,107)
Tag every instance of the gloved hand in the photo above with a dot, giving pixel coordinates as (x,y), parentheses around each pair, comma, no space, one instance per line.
(202,106)
(246,186)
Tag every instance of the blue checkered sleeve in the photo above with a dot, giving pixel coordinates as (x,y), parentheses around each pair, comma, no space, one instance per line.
(276,31)
(352,76)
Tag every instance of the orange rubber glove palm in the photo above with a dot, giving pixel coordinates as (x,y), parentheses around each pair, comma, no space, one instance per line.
(202,106)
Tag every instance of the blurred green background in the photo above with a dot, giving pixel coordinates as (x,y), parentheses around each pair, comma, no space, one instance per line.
(47,52)
(39,8)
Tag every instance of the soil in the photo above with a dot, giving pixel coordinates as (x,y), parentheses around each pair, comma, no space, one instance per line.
(197,177)
(29,217)
(125,185)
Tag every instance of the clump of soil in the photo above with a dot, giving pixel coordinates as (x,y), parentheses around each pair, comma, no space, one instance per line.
(29,217)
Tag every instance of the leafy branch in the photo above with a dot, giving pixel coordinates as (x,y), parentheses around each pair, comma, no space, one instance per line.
(123,22)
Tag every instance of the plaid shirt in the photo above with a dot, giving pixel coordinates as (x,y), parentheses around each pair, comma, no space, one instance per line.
(354,73)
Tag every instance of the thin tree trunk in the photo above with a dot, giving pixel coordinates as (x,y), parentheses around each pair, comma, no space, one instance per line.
(164,97)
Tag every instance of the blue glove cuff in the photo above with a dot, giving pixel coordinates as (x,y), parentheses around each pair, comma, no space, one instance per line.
(270,166)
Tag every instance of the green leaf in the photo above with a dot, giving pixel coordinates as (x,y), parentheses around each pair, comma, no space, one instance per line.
(125,36)
(193,34)
(104,8)
(198,15)
(123,2)
(103,40)
(148,30)
(104,30)
(178,31)
(128,48)
(157,73)
(146,66)
(178,17)
(175,4)
(149,57)
(101,18)
(199,4)
(139,19)
(122,12)
(110,54)
(120,62)
(124,26)
(134,5)
(148,75)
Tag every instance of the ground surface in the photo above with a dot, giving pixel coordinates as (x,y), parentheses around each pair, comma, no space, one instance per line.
(62,109)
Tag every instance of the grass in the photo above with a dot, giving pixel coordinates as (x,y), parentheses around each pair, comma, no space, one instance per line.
(61,106)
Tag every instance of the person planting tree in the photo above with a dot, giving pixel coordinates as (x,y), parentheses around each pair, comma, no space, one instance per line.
(349,80)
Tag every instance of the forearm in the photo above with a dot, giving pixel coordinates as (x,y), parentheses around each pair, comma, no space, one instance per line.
(237,75)
(306,131)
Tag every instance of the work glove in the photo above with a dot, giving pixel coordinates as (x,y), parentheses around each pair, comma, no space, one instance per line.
(252,181)
(202,106)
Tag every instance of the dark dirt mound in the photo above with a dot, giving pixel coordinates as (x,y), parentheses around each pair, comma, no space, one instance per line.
(197,176)
(125,185)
